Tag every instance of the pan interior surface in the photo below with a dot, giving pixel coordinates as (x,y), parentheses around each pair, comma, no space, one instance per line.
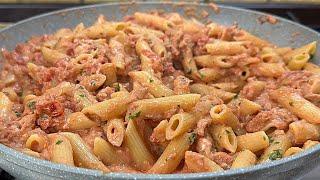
(284,33)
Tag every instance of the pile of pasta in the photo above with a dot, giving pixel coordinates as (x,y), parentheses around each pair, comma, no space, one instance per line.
(157,93)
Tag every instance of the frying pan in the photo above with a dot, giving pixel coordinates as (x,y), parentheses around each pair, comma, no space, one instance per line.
(284,33)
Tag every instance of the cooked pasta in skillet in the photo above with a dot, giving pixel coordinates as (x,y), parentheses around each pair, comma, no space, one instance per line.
(157,93)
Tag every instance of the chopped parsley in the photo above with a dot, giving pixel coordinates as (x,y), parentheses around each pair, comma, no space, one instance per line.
(59,142)
(134,115)
(201,75)
(81,87)
(93,83)
(228,132)
(270,139)
(151,80)
(291,103)
(18,114)
(20,93)
(311,56)
(277,142)
(192,138)
(236,96)
(116,87)
(32,105)
(264,138)
(276,154)
(82,95)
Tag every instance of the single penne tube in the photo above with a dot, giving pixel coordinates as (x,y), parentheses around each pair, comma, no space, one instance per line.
(78,121)
(204,89)
(108,109)
(117,53)
(197,163)
(104,151)
(215,30)
(209,74)
(256,41)
(308,144)
(225,48)
(114,130)
(298,61)
(211,61)
(109,70)
(144,51)
(233,87)
(247,107)
(61,150)
(306,49)
(36,142)
(173,154)
(188,63)
(225,137)
(158,45)
(253,141)
(296,104)
(140,154)
(179,124)
(292,151)
(52,56)
(223,115)
(159,133)
(159,107)
(93,82)
(82,155)
(279,144)
(303,131)
(269,69)
(154,85)
(153,21)
(244,158)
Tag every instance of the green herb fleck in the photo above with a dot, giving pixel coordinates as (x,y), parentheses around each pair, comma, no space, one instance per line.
(134,115)
(228,132)
(264,138)
(276,154)
(192,138)
(311,56)
(59,142)
(116,87)
(270,139)
(93,83)
(81,87)
(82,95)
(291,103)
(277,142)
(18,114)
(151,80)
(20,93)
(32,105)
(236,96)
(201,75)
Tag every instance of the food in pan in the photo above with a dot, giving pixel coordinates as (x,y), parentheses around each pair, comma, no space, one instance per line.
(157,93)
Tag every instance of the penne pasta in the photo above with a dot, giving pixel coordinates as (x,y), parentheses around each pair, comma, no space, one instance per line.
(179,124)
(78,121)
(198,163)
(173,154)
(225,137)
(82,155)
(204,89)
(244,158)
(297,105)
(115,130)
(154,85)
(253,142)
(104,151)
(61,150)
